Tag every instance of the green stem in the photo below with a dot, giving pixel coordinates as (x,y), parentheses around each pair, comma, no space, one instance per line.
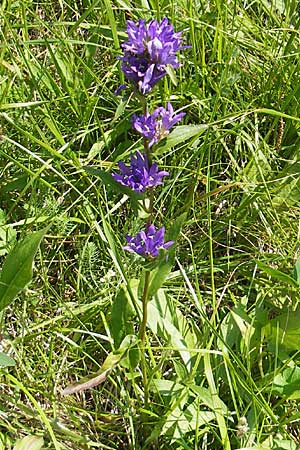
(142,335)
(142,332)
(143,326)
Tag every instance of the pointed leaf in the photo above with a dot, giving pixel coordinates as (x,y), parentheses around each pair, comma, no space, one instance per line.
(6,361)
(171,72)
(108,180)
(17,268)
(287,383)
(29,443)
(110,362)
(160,325)
(297,271)
(277,274)
(161,272)
(284,331)
(120,317)
(183,133)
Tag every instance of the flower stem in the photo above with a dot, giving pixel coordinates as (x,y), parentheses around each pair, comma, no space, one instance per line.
(142,335)
(142,331)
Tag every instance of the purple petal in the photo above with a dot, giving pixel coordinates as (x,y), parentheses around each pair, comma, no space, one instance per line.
(120,89)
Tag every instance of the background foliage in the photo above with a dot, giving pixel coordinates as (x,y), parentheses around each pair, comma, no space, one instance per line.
(224,332)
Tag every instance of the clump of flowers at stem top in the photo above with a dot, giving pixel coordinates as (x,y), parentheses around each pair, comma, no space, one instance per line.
(149,49)
(139,175)
(157,125)
(148,243)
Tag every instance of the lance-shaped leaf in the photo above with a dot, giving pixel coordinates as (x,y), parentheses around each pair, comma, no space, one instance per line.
(296,273)
(6,361)
(161,272)
(29,443)
(110,362)
(277,274)
(17,268)
(108,180)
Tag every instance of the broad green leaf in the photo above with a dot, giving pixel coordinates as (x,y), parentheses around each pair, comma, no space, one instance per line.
(284,331)
(230,333)
(120,317)
(284,444)
(6,361)
(17,268)
(159,276)
(29,443)
(98,147)
(167,387)
(161,325)
(161,272)
(182,133)
(258,166)
(183,420)
(275,443)
(259,447)
(287,383)
(287,191)
(205,397)
(277,274)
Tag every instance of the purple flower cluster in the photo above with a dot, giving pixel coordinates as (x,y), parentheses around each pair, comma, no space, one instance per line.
(156,126)
(148,243)
(149,49)
(139,175)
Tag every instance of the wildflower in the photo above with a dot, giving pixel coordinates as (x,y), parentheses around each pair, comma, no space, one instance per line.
(148,243)
(139,71)
(242,427)
(156,126)
(139,175)
(149,49)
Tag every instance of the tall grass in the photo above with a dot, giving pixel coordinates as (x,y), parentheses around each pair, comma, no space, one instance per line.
(223,333)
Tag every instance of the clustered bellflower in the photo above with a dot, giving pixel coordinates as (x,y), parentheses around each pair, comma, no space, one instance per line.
(139,175)
(148,243)
(149,49)
(156,126)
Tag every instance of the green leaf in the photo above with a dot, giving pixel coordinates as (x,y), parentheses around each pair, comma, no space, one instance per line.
(110,362)
(161,272)
(255,448)
(167,387)
(171,72)
(287,191)
(17,268)
(29,443)
(159,275)
(205,397)
(297,271)
(6,361)
(284,444)
(182,133)
(284,332)
(108,180)
(182,421)
(120,317)
(277,274)
(160,323)
(287,383)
